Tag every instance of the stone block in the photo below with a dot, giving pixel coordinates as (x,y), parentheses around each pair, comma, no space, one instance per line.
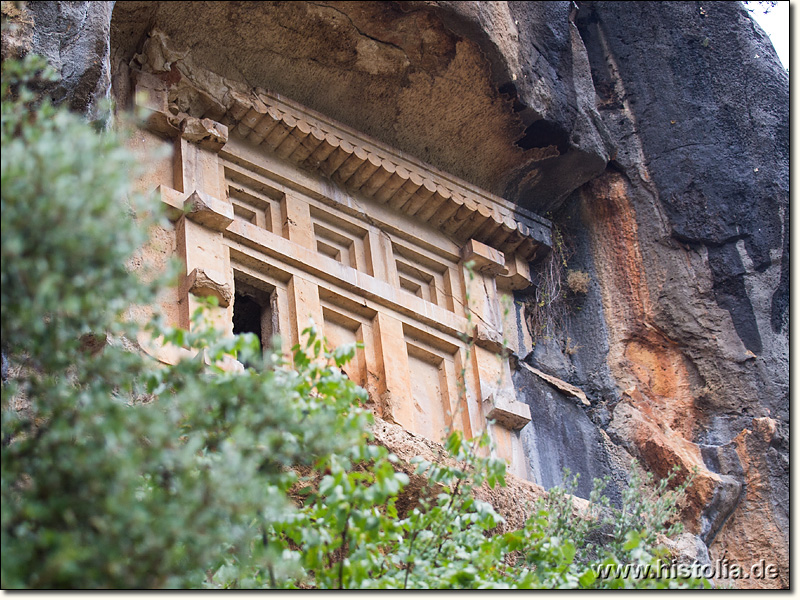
(489,338)
(485,259)
(507,411)
(196,168)
(559,384)
(173,201)
(150,93)
(207,282)
(208,211)
(304,307)
(205,133)
(516,275)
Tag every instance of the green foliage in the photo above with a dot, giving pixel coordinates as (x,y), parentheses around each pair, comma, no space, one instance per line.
(116,471)
(119,472)
(62,190)
(568,548)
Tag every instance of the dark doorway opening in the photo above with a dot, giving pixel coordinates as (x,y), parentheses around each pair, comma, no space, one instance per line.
(253,312)
(247,317)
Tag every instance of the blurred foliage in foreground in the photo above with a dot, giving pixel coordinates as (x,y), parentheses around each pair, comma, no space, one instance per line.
(118,472)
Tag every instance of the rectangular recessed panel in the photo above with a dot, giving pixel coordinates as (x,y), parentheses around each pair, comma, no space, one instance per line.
(423,276)
(340,329)
(251,182)
(251,209)
(329,250)
(340,239)
(416,281)
(429,391)
(334,245)
(253,201)
(411,286)
(245,213)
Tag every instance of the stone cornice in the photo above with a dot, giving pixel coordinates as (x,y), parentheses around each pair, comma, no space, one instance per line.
(370,168)
(353,160)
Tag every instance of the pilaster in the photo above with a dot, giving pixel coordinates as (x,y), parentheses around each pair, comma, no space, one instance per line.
(489,354)
(304,306)
(392,355)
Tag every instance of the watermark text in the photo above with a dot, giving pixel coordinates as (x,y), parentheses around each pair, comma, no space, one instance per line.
(719,569)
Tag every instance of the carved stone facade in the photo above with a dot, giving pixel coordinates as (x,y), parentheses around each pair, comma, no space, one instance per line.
(679,352)
(286,216)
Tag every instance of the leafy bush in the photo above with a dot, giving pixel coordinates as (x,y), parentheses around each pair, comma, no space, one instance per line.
(118,472)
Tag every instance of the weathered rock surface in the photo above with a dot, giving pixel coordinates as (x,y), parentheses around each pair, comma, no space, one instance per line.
(75,39)
(425,74)
(695,297)
(562,435)
(656,134)
(688,549)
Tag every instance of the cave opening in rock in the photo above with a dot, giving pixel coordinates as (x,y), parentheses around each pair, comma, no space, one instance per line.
(544,133)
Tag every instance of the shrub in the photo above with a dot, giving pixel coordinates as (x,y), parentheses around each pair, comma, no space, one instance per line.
(578,281)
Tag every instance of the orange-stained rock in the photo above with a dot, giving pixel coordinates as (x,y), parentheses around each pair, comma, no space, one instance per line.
(664,414)
(751,532)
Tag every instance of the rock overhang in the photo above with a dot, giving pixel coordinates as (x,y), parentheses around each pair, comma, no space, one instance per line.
(424,78)
(186,99)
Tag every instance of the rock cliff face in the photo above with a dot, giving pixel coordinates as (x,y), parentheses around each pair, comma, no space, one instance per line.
(75,39)
(695,298)
(656,137)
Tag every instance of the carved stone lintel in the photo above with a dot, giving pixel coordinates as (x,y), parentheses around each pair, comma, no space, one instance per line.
(206,282)
(208,211)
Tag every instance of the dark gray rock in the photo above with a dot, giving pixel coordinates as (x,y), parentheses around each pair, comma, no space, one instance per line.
(697,101)
(75,38)
(711,106)
(562,436)
(699,108)
(725,461)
